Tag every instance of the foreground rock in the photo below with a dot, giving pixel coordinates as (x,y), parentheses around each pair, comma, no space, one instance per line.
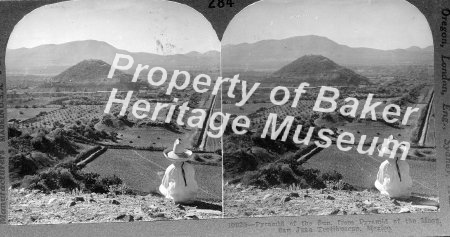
(34,207)
(242,201)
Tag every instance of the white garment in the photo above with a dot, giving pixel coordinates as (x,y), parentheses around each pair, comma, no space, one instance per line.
(388,179)
(175,186)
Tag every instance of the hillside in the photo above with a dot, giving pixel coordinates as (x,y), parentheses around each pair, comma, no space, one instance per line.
(90,72)
(273,54)
(317,70)
(90,75)
(52,59)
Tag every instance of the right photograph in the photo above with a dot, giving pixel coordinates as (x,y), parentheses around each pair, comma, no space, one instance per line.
(341,121)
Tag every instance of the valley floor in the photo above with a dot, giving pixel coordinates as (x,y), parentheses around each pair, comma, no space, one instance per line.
(240,201)
(35,207)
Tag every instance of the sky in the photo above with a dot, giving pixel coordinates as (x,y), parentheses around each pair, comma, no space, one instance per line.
(153,26)
(379,24)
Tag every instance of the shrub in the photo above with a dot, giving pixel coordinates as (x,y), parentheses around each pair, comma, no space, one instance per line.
(277,145)
(109,181)
(281,174)
(49,180)
(91,182)
(311,177)
(40,142)
(239,162)
(42,113)
(331,176)
(218,151)
(13,132)
(28,180)
(22,165)
(339,185)
(66,176)
(66,180)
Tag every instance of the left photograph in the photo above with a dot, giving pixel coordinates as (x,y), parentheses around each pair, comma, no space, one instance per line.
(105,120)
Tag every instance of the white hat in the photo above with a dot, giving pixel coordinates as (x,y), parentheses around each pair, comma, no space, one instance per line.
(384,149)
(178,153)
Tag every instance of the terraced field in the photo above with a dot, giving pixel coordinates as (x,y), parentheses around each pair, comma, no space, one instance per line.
(27,113)
(245,109)
(70,114)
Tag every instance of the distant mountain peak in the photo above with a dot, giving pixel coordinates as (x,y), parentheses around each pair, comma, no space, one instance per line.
(318,70)
(90,71)
(414,48)
(193,53)
(94,62)
(308,64)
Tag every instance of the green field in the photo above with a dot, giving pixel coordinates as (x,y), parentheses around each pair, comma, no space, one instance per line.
(26,113)
(361,170)
(152,136)
(143,171)
(245,109)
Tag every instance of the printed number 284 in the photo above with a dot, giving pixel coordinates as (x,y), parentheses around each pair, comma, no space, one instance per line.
(220,3)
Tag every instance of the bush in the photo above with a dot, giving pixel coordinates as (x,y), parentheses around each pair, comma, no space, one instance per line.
(110,181)
(283,175)
(66,180)
(66,176)
(49,180)
(218,151)
(277,145)
(13,132)
(22,165)
(28,180)
(91,182)
(239,162)
(311,177)
(331,176)
(42,113)
(339,185)
(40,142)
(94,183)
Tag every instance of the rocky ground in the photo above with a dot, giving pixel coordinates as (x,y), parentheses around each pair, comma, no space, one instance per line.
(240,201)
(35,207)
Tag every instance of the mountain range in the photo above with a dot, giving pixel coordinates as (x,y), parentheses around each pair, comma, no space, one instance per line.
(269,55)
(52,59)
(273,54)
